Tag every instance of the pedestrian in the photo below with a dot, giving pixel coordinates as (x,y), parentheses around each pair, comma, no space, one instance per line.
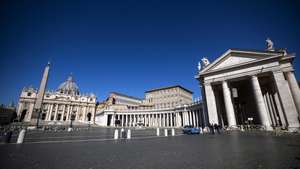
(212,129)
(216,128)
(8,135)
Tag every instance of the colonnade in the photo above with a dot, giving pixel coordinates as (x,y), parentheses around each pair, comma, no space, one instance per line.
(157,119)
(64,112)
(285,101)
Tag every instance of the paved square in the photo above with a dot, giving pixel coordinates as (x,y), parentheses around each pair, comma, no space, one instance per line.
(91,150)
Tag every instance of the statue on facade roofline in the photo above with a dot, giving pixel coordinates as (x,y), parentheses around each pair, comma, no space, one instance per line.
(270,45)
(199,66)
(204,62)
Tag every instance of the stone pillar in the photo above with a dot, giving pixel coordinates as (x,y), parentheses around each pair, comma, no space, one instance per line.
(55,113)
(30,112)
(294,89)
(171,117)
(69,112)
(184,118)
(274,109)
(122,120)
(168,122)
(211,104)
(179,119)
(50,112)
(113,118)
(194,118)
(287,101)
(159,121)
(228,105)
(163,120)
(268,108)
(280,110)
(63,113)
(129,120)
(263,114)
(187,118)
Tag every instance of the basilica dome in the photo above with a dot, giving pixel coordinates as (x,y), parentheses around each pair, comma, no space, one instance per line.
(69,87)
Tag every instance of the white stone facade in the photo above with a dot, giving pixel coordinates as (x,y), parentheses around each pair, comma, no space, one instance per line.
(266,90)
(59,106)
(180,116)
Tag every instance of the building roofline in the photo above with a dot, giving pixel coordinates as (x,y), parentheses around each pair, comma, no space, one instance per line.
(277,51)
(168,87)
(124,95)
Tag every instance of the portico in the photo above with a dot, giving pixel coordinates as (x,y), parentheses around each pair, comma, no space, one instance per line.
(251,87)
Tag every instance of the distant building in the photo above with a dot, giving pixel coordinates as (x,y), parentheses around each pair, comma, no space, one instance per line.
(7,114)
(162,107)
(61,105)
(167,97)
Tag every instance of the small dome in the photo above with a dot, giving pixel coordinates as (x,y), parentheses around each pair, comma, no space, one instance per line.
(69,87)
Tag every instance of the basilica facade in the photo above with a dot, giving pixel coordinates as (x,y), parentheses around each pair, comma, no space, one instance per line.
(61,106)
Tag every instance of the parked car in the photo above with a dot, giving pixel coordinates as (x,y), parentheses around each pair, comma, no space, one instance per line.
(188,129)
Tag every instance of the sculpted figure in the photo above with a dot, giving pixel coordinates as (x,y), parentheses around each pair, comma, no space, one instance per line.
(270,45)
(199,66)
(205,61)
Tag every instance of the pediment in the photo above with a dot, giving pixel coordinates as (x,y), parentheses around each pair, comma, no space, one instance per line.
(234,58)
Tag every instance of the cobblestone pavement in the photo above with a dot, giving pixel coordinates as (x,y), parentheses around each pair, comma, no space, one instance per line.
(95,149)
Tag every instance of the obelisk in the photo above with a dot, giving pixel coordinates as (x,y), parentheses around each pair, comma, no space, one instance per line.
(40,96)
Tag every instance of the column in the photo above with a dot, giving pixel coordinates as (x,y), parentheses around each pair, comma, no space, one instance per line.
(113,119)
(50,112)
(171,121)
(271,111)
(122,120)
(63,113)
(190,118)
(288,104)
(194,120)
(168,123)
(228,105)
(55,113)
(163,120)
(260,103)
(274,109)
(69,112)
(129,120)
(294,89)
(183,118)
(157,120)
(268,108)
(211,104)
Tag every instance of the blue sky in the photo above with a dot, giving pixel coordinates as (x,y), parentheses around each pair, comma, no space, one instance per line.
(132,46)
